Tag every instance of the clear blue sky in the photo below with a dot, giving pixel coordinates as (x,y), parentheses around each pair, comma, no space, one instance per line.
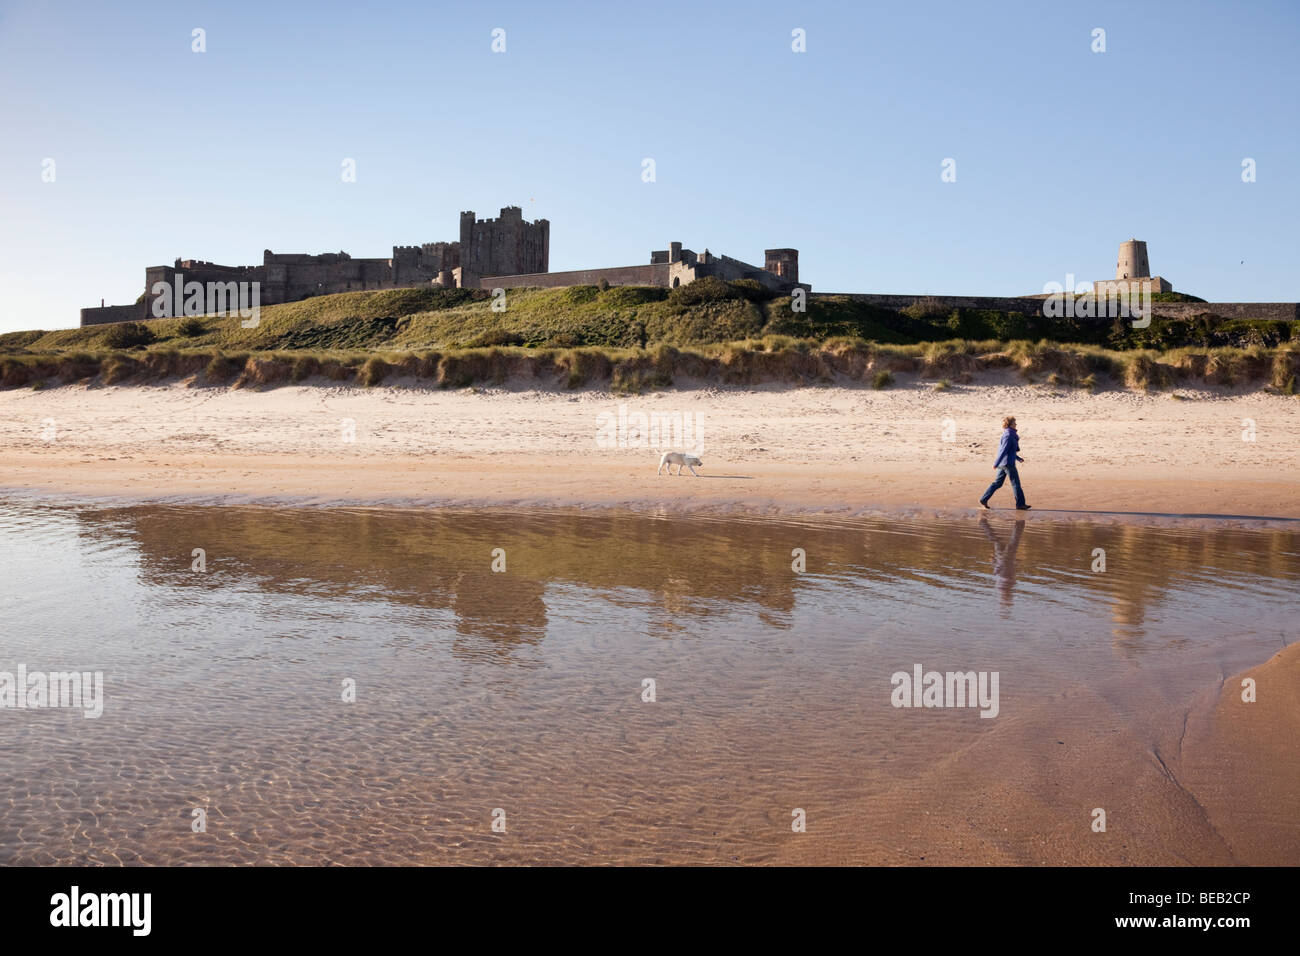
(1060,152)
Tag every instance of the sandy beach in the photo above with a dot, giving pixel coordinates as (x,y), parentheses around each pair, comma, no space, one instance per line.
(1114,455)
(1216,778)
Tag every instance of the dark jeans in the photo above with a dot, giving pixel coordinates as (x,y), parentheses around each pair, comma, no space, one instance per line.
(1007,471)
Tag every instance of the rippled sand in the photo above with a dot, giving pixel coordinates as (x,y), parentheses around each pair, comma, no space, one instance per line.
(522,690)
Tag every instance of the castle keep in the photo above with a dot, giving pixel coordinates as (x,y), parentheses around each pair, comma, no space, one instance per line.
(506,252)
(487,247)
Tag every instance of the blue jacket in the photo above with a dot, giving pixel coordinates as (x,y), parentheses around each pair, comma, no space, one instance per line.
(1008,448)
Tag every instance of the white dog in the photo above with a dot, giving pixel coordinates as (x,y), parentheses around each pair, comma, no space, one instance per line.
(679,459)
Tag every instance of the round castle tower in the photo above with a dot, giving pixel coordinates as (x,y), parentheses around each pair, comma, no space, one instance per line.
(1132,262)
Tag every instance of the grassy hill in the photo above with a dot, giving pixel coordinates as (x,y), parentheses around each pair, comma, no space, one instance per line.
(630,336)
(708,311)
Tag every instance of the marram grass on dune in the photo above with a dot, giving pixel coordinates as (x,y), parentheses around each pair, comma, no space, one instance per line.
(772,359)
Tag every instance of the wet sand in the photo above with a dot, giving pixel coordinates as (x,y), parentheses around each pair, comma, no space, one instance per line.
(1217,780)
(522,690)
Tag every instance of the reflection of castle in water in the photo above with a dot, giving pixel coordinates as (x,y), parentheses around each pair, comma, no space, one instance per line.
(443,562)
(654,570)
(504,612)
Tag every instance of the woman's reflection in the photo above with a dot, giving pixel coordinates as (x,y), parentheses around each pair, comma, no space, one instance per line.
(1004,557)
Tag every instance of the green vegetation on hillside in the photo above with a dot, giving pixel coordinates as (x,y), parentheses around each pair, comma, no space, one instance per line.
(641,337)
(1174,297)
(707,311)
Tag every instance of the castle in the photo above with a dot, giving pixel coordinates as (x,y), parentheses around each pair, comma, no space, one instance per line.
(506,252)
(1131,267)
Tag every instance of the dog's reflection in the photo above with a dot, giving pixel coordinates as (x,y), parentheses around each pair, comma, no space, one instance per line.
(1004,557)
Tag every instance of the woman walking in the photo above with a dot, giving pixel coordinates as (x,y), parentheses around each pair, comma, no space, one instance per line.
(1005,465)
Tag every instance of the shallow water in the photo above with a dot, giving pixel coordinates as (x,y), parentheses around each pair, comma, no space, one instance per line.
(522,690)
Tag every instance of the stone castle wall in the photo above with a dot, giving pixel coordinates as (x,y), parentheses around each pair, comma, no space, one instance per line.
(729,269)
(1123,287)
(107,314)
(1025,306)
(415,265)
(654,274)
(667,269)
(1272,311)
(291,277)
